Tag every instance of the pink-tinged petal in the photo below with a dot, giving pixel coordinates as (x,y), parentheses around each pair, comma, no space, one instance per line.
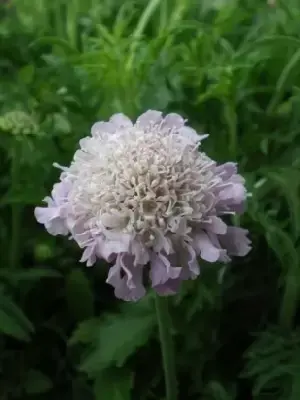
(232,196)
(161,242)
(235,241)
(89,255)
(186,257)
(191,134)
(50,218)
(168,288)
(227,170)
(235,192)
(114,243)
(162,270)
(149,118)
(57,227)
(121,121)
(50,202)
(126,279)
(203,245)
(215,225)
(44,214)
(79,232)
(84,142)
(192,262)
(54,216)
(60,192)
(216,243)
(101,129)
(173,121)
(140,253)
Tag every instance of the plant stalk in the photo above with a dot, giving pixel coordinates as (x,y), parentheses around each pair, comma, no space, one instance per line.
(289,302)
(16,213)
(166,343)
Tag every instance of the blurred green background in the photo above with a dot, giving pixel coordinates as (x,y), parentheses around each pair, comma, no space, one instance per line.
(232,68)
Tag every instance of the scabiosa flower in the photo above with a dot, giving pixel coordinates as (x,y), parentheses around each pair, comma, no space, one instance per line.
(142,196)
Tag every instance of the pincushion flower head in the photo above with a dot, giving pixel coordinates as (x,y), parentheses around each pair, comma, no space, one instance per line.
(144,198)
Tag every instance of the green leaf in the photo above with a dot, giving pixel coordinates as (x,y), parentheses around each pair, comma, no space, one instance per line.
(54,41)
(86,332)
(282,245)
(26,74)
(218,392)
(31,274)
(61,123)
(13,321)
(269,377)
(79,295)
(37,383)
(10,326)
(287,180)
(295,391)
(119,335)
(113,384)
(279,241)
(292,64)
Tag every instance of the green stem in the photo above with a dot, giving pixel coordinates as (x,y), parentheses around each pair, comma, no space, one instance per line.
(231,120)
(289,302)
(137,33)
(166,342)
(16,212)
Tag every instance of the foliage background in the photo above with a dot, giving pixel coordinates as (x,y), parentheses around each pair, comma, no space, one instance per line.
(230,67)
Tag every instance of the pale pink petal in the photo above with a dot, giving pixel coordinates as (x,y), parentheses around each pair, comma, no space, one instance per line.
(235,192)
(191,134)
(149,118)
(162,270)
(173,121)
(161,242)
(126,279)
(44,214)
(191,261)
(226,170)
(60,192)
(235,241)
(203,245)
(89,255)
(168,288)
(140,252)
(103,128)
(50,218)
(121,121)
(215,225)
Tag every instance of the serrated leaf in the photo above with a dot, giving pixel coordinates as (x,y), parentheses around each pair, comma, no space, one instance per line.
(279,241)
(37,383)
(269,376)
(283,247)
(79,295)
(119,335)
(113,384)
(288,183)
